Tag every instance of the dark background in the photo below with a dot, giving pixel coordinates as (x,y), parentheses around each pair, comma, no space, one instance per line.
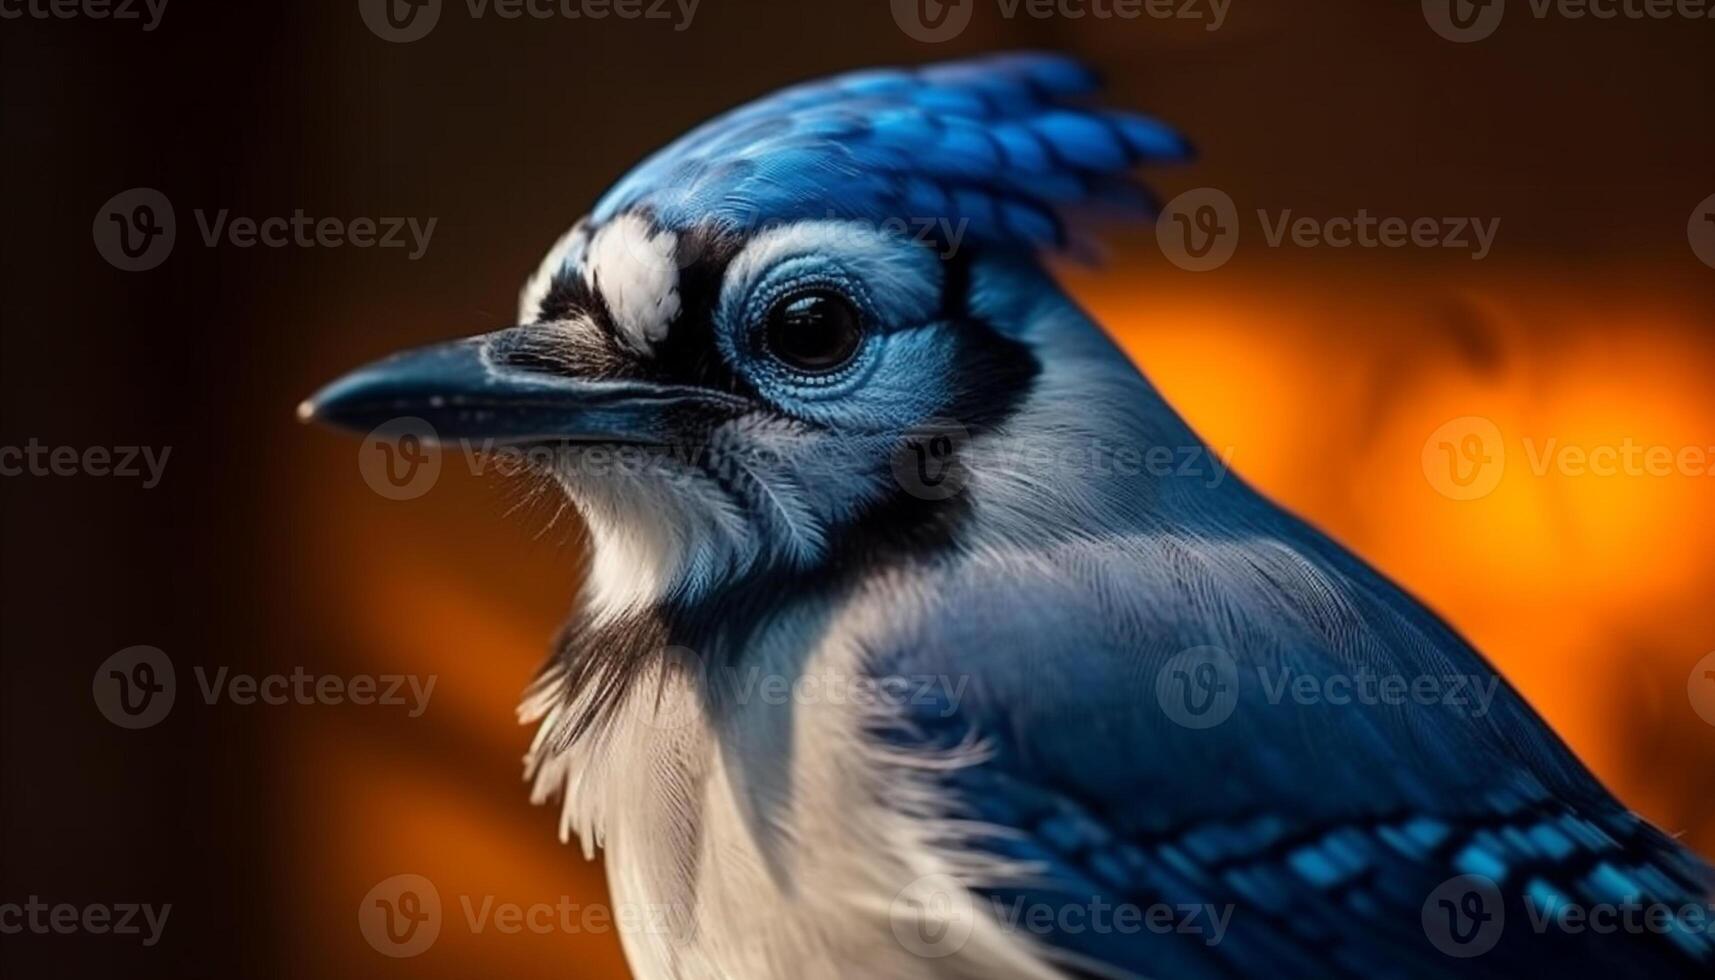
(263,549)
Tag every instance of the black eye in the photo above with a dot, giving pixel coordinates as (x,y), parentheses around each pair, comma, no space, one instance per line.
(815,332)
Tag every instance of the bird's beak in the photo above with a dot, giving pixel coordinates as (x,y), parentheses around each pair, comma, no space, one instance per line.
(465,390)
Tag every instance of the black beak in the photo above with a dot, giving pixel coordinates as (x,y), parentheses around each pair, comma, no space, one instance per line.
(466,390)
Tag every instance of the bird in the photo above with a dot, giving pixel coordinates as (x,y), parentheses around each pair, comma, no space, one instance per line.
(900,653)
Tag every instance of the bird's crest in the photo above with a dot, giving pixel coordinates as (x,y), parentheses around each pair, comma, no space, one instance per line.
(1000,148)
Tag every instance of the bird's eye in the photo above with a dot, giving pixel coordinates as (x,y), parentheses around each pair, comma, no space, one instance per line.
(814,331)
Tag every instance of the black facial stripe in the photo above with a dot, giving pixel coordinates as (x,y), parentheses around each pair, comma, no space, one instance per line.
(994,372)
(689,354)
(956,286)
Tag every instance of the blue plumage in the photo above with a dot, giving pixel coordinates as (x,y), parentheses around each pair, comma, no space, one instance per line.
(859,460)
(1325,827)
(998,143)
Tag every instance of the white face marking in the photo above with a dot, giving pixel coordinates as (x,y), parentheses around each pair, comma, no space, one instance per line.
(568,252)
(636,270)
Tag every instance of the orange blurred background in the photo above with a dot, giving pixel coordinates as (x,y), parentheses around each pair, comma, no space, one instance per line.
(1324,372)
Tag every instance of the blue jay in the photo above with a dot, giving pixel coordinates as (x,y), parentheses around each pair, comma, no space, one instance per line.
(885,665)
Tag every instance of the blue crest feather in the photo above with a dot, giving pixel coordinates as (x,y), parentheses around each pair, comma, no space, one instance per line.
(998,146)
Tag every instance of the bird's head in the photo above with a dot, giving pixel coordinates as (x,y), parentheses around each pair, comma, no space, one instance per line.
(756,349)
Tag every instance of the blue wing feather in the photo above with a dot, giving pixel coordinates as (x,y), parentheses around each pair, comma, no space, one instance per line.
(1324,827)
